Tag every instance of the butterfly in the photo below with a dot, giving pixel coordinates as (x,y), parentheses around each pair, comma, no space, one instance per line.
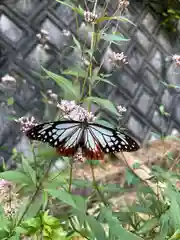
(93,139)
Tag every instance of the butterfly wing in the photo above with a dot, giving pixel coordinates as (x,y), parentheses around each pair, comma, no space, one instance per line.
(63,135)
(92,149)
(107,140)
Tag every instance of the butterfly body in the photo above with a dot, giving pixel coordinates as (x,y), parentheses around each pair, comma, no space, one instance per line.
(93,139)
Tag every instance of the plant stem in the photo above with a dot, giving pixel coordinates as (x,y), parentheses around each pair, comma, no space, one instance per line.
(95,185)
(70,175)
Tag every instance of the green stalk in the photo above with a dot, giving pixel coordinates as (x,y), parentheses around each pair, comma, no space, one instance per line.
(95,185)
(70,175)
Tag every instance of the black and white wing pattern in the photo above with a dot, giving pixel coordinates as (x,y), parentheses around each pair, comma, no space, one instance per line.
(94,139)
(63,135)
(100,139)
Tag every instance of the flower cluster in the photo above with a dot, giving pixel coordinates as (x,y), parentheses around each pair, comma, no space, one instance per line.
(8,79)
(121,109)
(90,17)
(123,4)
(117,59)
(26,123)
(53,96)
(71,111)
(176,58)
(44,38)
(78,157)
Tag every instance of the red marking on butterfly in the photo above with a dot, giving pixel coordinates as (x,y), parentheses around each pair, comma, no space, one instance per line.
(68,152)
(95,154)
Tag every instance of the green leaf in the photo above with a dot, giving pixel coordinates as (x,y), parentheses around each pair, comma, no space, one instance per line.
(103,103)
(115,228)
(96,227)
(99,79)
(74,201)
(32,210)
(77,43)
(148,226)
(77,72)
(29,170)
(15,237)
(105,123)
(78,10)
(15,176)
(130,177)
(63,83)
(175,236)
(114,37)
(136,165)
(122,19)
(50,220)
(34,222)
(10,101)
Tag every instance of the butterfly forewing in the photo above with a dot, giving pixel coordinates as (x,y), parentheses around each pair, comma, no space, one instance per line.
(62,135)
(111,140)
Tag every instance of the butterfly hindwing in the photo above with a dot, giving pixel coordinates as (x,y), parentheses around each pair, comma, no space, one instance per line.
(91,148)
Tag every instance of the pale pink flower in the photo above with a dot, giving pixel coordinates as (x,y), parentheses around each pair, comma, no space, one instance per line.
(121,109)
(123,4)
(176,58)
(90,17)
(43,37)
(8,79)
(71,111)
(117,59)
(26,123)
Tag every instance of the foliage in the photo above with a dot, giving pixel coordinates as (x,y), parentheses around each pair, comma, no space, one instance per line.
(47,206)
(168,11)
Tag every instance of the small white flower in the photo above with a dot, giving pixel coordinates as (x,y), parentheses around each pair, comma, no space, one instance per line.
(123,4)
(117,59)
(44,38)
(78,157)
(26,123)
(90,17)
(176,58)
(121,109)
(71,111)
(66,32)
(8,79)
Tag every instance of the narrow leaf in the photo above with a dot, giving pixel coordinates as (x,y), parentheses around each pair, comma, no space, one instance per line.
(96,227)
(148,226)
(78,10)
(63,83)
(114,38)
(76,72)
(74,201)
(122,19)
(103,103)
(15,176)
(99,79)
(29,170)
(116,229)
